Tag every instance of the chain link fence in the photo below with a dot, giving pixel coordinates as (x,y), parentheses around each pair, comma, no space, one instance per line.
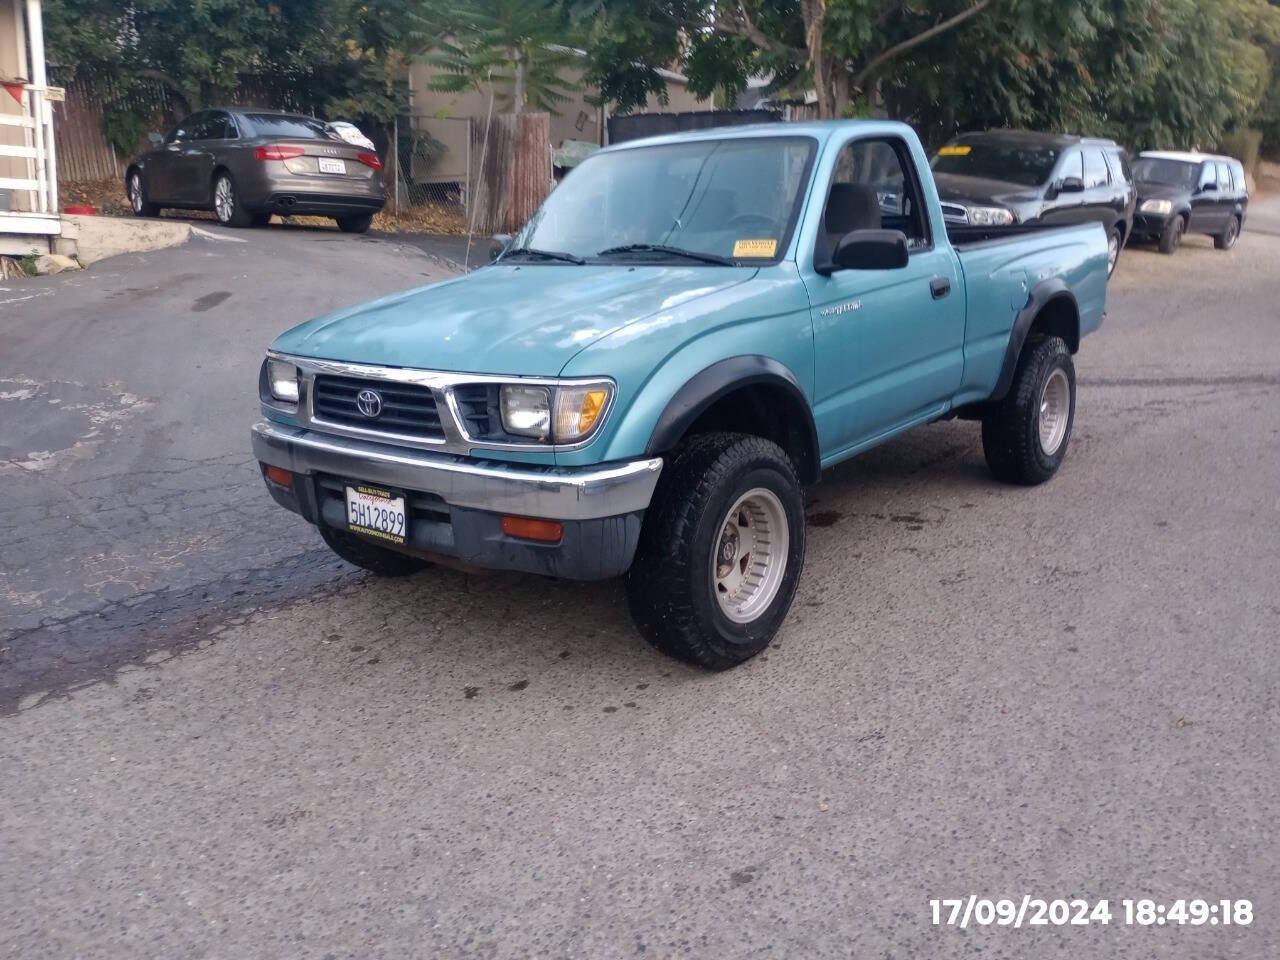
(433,175)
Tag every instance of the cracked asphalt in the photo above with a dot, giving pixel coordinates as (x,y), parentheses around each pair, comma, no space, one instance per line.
(217,741)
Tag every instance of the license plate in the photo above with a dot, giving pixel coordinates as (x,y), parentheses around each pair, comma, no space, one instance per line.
(332,166)
(376,513)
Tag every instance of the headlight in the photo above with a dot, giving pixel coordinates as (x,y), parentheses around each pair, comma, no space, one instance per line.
(557,414)
(990,216)
(1161,207)
(526,411)
(282,380)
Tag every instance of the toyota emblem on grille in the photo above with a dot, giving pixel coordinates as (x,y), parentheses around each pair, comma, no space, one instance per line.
(369,402)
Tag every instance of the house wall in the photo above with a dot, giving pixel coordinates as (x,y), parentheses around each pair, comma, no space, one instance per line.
(12,67)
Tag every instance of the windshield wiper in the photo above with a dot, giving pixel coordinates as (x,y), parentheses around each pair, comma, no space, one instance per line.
(544,254)
(673,251)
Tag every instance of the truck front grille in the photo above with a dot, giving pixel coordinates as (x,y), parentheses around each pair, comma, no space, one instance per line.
(405,409)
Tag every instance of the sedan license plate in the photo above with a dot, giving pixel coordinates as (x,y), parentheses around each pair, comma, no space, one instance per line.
(376,513)
(332,166)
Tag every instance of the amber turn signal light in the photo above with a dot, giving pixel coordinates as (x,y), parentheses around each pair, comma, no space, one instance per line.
(544,531)
(280,475)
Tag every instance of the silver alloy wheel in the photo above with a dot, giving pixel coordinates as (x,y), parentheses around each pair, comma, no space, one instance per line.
(1055,411)
(749,558)
(224,199)
(135,192)
(1113,252)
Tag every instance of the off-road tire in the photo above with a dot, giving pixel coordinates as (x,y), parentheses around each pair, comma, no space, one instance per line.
(1227,239)
(369,556)
(1171,236)
(239,216)
(355,224)
(670,584)
(1011,427)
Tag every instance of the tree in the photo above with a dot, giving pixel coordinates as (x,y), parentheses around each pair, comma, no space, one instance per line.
(515,49)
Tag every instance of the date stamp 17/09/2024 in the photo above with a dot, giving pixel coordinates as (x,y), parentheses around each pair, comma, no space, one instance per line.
(1029,911)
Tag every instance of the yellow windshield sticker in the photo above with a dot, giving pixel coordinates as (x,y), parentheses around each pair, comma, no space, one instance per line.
(956,150)
(755,248)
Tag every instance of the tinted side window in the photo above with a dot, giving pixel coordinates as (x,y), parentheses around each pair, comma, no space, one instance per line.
(1224,177)
(1095,170)
(1237,177)
(211,126)
(1119,164)
(183,131)
(1208,175)
(1072,166)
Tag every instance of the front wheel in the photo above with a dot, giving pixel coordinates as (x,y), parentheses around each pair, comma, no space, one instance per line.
(1227,239)
(720,552)
(1025,435)
(227,206)
(1171,236)
(360,552)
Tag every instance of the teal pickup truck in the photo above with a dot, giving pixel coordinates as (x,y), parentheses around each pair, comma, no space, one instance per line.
(683,337)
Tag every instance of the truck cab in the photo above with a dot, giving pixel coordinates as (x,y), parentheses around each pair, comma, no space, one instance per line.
(686,334)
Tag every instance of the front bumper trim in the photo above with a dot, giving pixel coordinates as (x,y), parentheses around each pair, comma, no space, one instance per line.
(528,490)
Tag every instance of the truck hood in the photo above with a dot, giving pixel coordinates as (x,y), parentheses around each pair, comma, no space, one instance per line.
(1149,190)
(525,320)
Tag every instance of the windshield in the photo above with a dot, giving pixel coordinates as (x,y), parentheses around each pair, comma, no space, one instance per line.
(1171,173)
(1027,166)
(295,128)
(736,199)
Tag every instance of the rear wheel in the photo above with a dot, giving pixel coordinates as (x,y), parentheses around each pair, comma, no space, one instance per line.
(720,552)
(136,189)
(355,224)
(1227,239)
(227,206)
(369,556)
(1171,236)
(1025,435)
(1114,243)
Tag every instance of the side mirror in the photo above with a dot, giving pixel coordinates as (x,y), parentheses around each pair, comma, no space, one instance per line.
(1071,185)
(155,138)
(871,250)
(497,244)
(1208,188)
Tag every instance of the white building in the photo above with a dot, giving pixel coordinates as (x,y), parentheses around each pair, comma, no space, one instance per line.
(28,165)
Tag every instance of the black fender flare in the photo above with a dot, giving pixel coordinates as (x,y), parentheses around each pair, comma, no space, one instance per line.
(1042,294)
(722,378)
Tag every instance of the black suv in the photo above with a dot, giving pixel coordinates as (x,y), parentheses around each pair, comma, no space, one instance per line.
(1182,193)
(1007,177)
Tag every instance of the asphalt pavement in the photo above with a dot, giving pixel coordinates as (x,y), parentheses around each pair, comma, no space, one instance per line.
(216,741)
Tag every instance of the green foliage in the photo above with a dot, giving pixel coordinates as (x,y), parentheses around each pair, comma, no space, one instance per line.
(516,49)
(1244,145)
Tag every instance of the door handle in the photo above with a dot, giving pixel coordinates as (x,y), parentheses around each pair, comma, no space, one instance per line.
(940,287)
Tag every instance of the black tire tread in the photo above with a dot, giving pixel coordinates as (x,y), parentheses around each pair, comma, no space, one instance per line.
(369,556)
(658,582)
(240,217)
(359,223)
(1009,438)
(1170,237)
(1220,239)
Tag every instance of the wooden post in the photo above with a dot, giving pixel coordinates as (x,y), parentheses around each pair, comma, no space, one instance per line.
(514,176)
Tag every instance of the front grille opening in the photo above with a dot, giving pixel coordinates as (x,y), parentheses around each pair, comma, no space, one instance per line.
(478,407)
(406,409)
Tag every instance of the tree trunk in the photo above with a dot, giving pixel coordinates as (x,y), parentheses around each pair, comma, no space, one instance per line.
(815,15)
(517,85)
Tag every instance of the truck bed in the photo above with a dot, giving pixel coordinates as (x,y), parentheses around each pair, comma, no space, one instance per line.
(962,235)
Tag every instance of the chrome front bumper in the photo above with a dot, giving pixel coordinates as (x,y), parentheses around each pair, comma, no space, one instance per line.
(553,493)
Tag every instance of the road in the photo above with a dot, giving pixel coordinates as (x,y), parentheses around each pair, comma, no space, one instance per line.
(216,741)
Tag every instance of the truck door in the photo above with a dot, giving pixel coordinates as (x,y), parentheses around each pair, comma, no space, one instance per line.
(888,343)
